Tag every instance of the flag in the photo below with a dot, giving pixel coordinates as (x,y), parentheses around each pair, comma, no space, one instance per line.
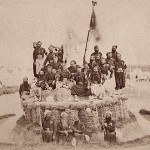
(93,26)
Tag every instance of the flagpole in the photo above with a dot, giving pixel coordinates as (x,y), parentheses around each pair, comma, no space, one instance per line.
(86,46)
(93,4)
(130,78)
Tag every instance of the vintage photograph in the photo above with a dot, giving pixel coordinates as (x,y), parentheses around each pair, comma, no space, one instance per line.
(74,74)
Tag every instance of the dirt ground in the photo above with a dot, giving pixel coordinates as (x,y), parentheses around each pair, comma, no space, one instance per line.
(138,99)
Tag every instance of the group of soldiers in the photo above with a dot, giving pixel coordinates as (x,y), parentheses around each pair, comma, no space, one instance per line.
(53,132)
(97,71)
(53,69)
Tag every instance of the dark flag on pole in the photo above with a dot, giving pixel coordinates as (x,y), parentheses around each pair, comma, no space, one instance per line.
(93,25)
(93,29)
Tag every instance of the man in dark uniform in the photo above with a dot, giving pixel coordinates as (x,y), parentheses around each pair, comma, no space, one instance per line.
(81,88)
(55,64)
(72,69)
(25,87)
(109,128)
(110,62)
(120,68)
(114,52)
(34,58)
(49,128)
(50,56)
(60,54)
(39,55)
(96,49)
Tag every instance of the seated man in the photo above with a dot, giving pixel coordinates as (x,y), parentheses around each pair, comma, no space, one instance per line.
(86,70)
(64,74)
(96,75)
(98,59)
(81,88)
(49,76)
(65,131)
(24,88)
(73,68)
(53,78)
(24,91)
(92,63)
(97,88)
(42,85)
(109,128)
(49,57)
(41,82)
(78,132)
(55,64)
(49,128)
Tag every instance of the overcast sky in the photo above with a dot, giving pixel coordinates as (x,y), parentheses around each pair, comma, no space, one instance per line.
(125,23)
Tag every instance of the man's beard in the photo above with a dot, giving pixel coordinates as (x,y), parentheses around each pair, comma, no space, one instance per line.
(108,119)
(41,76)
(91,60)
(64,124)
(25,83)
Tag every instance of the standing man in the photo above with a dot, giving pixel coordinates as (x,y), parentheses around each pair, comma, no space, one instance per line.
(39,57)
(96,52)
(114,52)
(110,62)
(120,68)
(50,56)
(34,58)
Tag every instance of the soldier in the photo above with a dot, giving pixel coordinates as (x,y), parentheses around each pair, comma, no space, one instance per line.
(120,68)
(92,63)
(25,87)
(34,58)
(96,51)
(110,62)
(49,128)
(114,52)
(50,56)
(39,55)
(65,131)
(109,128)
(82,85)
(24,91)
(55,64)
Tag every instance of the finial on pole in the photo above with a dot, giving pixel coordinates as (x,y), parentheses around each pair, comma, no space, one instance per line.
(94,3)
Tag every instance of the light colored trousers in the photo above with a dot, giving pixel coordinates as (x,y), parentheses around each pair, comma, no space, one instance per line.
(39,65)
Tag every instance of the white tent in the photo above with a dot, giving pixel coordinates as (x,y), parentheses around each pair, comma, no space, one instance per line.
(138,73)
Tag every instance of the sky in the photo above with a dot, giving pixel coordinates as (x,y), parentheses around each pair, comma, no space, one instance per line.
(124,23)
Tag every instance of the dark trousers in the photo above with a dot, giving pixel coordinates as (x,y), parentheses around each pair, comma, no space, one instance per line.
(34,70)
(110,137)
(47,136)
(120,80)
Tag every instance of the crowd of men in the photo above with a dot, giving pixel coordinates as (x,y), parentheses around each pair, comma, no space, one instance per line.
(73,133)
(53,69)
(97,71)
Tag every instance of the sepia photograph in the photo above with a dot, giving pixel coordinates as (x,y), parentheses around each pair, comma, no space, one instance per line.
(74,74)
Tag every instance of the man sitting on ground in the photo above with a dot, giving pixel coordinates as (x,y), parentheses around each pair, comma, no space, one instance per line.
(109,128)
(24,88)
(49,128)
